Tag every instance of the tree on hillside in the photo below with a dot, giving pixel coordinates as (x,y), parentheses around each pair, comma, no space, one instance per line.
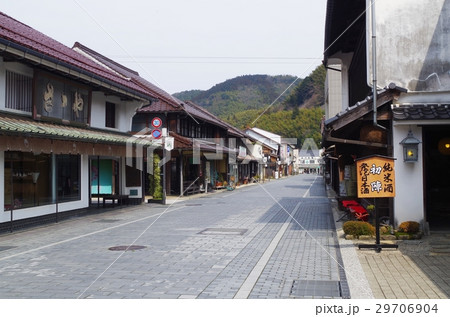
(312,86)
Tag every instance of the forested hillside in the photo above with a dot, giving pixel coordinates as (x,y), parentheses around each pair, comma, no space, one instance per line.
(245,102)
(239,94)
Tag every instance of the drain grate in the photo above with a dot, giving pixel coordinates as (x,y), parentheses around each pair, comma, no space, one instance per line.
(226,231)
(6,247)
(127,248)
(313,288)
(193,204)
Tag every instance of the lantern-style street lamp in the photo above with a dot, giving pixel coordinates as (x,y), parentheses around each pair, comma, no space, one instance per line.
(410,148)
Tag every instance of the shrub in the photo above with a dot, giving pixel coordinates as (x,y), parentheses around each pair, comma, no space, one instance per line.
(385,229)
(358,228)
(409,227)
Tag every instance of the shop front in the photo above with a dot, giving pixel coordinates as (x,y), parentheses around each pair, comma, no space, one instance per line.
(48,176)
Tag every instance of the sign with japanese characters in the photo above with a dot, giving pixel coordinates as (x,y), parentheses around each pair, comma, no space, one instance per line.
(375,177)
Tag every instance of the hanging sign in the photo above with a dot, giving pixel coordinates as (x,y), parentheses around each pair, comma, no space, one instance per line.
(375,177)
(156,122)
(169,143)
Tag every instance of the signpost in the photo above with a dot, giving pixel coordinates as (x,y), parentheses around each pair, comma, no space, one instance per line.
(376,179)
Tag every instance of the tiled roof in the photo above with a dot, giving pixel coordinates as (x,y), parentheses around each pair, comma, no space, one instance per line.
(201,113)
(18,125)
(133,75)
(160,106)
(193,110)
(421,111)
(181,142)
(34,44)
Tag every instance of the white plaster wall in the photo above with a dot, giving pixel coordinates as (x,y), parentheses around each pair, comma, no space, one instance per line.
(333,91)
(412,42)
(409,200)
(125,111)
(98,110)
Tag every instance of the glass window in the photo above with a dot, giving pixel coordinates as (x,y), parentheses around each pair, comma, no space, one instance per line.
(18,92)
(68,171)
(27,180)
(110,119)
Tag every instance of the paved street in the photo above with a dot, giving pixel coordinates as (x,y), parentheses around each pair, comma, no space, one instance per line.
(272,240)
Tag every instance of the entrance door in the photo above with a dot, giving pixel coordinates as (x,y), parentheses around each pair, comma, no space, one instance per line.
(104,177)
(436,143)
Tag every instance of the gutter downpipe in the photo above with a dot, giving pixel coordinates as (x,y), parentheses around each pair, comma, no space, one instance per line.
(374,63)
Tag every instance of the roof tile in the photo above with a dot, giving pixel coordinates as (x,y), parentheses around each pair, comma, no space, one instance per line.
(35,42)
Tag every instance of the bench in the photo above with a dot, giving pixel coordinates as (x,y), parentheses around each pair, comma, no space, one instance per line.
(115,198)
(354,209)
(190,188)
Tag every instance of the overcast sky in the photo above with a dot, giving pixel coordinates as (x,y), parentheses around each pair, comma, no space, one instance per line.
(187,44)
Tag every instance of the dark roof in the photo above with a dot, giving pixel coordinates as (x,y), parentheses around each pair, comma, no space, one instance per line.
(362,108)
(193,110)
(131,74)
(181,142)
(21,41)
(201,113)
(421,111)
(160,106)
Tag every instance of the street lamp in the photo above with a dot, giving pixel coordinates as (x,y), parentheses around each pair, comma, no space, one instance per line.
(410,148)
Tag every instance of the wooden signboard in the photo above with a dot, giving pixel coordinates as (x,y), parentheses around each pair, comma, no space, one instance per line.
(375,177)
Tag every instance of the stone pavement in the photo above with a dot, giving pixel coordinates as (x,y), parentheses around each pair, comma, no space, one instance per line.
(273,240)
(418,269)
(281,245)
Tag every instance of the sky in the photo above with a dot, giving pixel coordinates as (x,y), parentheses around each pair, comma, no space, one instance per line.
(187,44)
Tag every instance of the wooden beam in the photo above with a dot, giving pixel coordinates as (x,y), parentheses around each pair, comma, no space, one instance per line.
(356,142)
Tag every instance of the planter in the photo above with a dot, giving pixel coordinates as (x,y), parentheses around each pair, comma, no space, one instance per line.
(385,237)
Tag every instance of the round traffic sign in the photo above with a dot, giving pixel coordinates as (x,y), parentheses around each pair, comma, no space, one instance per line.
(156,122)
(156,133)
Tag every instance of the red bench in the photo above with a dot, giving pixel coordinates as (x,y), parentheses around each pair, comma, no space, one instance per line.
(354,210)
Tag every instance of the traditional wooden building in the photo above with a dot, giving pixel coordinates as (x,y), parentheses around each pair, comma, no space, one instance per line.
(64,123)
(389,94)
(205,152)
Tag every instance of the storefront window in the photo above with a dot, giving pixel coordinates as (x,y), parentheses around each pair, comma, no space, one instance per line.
(68,171)
(29,179)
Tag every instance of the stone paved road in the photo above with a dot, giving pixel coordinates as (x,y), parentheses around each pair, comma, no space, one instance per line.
(272,240)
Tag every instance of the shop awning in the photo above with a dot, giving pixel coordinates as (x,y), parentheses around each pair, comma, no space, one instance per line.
(23,133)
(343,127)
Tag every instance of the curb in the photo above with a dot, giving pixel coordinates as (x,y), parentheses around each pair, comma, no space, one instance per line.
(356,278)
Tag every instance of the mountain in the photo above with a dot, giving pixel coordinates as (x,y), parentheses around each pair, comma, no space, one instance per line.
(244,102)
(310,92)
(239,94)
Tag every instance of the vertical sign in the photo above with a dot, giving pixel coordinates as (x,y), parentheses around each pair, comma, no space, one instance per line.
(375,177)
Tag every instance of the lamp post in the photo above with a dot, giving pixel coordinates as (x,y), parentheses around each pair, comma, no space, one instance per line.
(410,148)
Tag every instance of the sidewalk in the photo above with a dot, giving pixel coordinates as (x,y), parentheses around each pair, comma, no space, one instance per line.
(417,269)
